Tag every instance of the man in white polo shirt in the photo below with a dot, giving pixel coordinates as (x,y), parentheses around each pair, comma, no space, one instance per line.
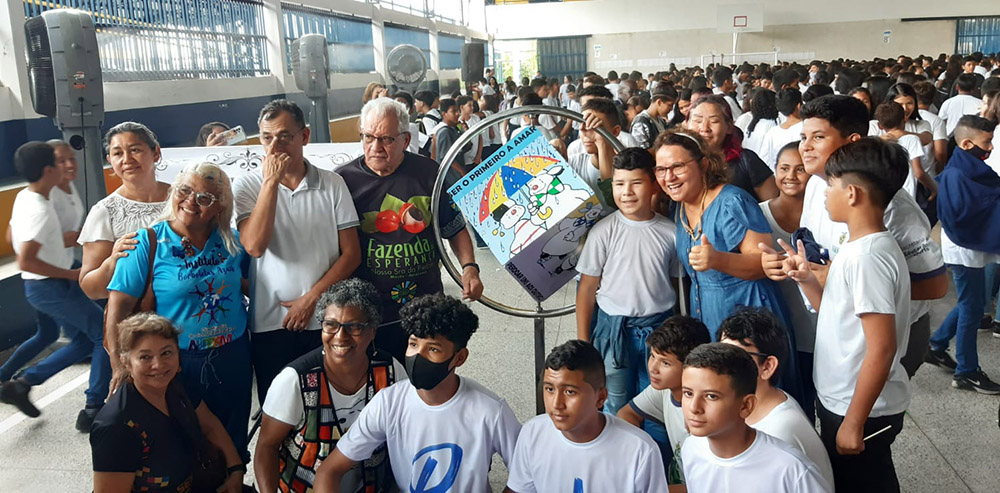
(299,224)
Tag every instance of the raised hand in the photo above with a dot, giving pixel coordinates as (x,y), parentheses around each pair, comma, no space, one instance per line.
(772,262)
(702,255)
(275,165)
(795,265)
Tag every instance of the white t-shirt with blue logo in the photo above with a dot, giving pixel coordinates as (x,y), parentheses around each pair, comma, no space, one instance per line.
(622,459)
(445,448)
(197,290)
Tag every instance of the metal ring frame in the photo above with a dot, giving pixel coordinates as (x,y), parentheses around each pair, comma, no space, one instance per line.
(438,190)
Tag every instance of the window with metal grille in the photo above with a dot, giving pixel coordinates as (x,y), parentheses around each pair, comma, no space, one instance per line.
(396,35)
(980,34)
(173,39)
(450,51)
(349,40)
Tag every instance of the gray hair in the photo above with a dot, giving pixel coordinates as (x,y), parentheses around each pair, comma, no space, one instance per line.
(352,292)
(383,107)
(214,174)
(142,131)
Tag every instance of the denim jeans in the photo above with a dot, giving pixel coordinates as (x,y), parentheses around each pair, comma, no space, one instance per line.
(962,322)
(46,334)
(64,301)
(223,379)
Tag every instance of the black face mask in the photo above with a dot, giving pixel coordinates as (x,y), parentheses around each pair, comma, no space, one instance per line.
(425,374)
(979,152)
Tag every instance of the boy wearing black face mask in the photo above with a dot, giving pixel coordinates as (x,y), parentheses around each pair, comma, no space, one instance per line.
(441,430)
(969,198)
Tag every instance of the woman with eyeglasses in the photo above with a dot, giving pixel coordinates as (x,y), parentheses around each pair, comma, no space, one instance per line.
(195,281)
(719,227)
(317,397)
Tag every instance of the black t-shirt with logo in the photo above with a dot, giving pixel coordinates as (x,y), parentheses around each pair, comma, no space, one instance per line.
(398,251)
(130,435)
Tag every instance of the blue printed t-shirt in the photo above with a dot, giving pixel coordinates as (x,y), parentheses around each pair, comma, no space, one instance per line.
(199,293)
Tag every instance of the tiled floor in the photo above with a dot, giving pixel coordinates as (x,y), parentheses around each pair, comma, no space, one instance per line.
(950,441)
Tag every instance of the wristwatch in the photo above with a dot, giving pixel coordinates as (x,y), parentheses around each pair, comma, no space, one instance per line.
(242,468)
(471,264)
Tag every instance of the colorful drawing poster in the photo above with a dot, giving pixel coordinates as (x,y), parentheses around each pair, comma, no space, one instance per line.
(531,209)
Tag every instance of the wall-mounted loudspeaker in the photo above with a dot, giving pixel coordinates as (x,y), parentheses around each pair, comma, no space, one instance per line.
(473,61)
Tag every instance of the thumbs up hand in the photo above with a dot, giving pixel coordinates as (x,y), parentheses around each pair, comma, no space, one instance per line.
(702,255)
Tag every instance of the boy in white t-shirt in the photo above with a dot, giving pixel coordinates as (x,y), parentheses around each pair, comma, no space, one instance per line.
(574,446)
(862,326)
(776,413)
(668,345)
(594,166)
(441,430)
(961,104)
(723,453)
(51,287)
(890,116)
(830,122)
(628,254)
(788,101)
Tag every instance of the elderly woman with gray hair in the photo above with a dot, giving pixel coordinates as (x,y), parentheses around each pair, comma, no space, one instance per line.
(317,397)
(190,268)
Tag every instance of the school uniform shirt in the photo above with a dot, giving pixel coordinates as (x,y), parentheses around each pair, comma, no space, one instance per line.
(911,144)
(788,423)
(803,319)
(867,277)
(34,218)
(470,156)
(435,448)
(634,260)
(430,120)
(574,105)
(732,102)
(621,459)
(304,245)
(955,108)
(576,147)
(660,406)
(904,220)
(743,122)
(958,255)
(755,139)
(993,161)
(398,251)
(776,138)
(197,290)
(939,132)
(769,465)
(68,206)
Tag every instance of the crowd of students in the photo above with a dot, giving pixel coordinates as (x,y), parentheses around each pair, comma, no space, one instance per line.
(788,210)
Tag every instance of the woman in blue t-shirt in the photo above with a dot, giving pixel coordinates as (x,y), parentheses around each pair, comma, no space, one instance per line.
(198,268)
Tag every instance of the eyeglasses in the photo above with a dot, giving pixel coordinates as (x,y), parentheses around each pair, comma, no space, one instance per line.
(677,169)
(203,199)
(332,327)
(283,137)
(385,140)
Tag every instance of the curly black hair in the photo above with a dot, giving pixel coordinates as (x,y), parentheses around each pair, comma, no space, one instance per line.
(439,314)
(758,327)
(678,335)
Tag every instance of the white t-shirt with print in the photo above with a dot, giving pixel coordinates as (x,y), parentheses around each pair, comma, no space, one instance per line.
(448,447)
(769,465)
(867,277)
(284,398)
(34,218)
(958,255)
(634,260)
(787,422)
(903,218)
(622,458)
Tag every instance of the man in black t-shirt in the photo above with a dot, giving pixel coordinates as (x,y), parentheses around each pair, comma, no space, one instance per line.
(392,192)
